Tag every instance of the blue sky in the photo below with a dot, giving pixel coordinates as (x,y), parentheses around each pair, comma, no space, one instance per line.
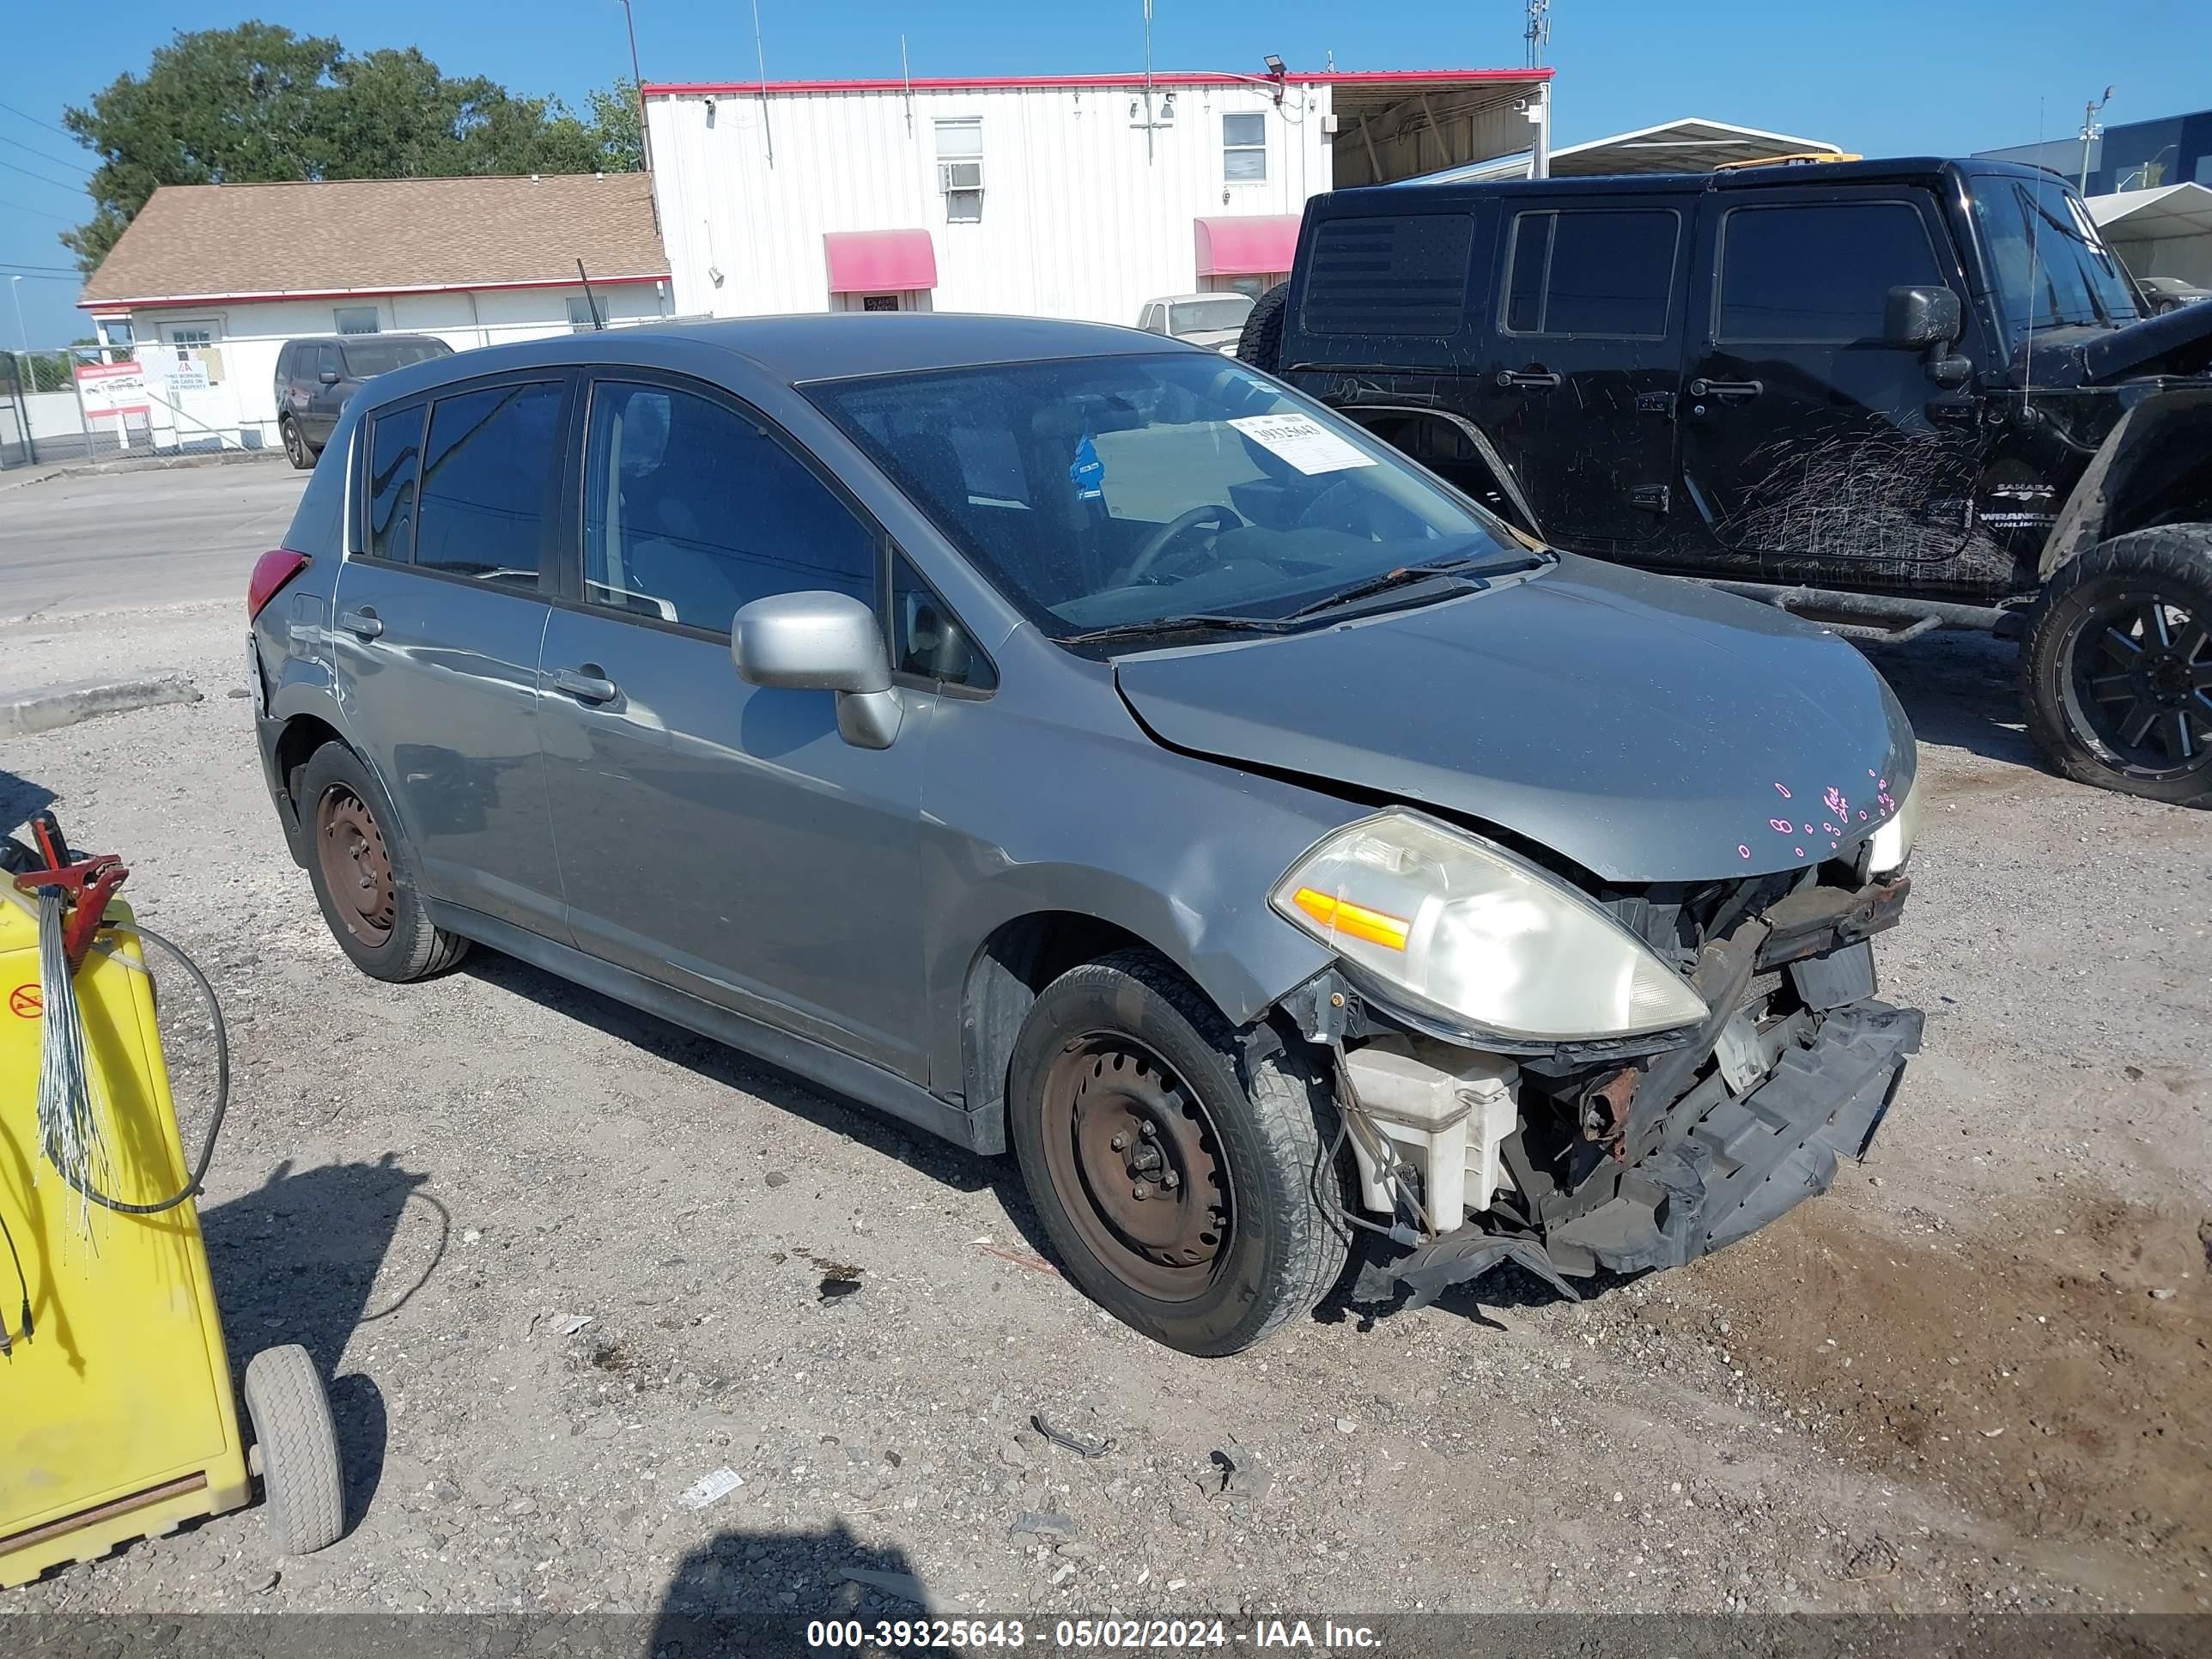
(1881,76)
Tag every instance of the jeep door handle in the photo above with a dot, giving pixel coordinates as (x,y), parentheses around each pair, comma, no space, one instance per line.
(1536,380)
(363,624)
(584,686)
(1704,388)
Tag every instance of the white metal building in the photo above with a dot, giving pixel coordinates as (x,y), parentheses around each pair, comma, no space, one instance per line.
(223,275)
(1065,196)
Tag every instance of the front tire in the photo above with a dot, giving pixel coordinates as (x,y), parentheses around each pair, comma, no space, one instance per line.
(365,876)
(2117,671)
(1190,1196)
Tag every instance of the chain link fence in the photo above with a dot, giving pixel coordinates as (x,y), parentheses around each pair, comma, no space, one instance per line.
(88,403)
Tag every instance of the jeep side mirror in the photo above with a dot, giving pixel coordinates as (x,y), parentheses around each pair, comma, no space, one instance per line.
(1915,316)
(822,642)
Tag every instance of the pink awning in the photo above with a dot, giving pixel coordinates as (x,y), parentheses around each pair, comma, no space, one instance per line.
(879,261)
(1255,244)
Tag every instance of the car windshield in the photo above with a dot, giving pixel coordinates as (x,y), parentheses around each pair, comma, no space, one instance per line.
(2051,263)
(1111,492)
(1209,316)
(367,357)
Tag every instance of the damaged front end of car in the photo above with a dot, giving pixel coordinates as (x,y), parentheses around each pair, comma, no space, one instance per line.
(1617,1079)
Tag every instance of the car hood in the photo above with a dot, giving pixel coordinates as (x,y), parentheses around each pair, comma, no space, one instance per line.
(1647,729)
(1215,338)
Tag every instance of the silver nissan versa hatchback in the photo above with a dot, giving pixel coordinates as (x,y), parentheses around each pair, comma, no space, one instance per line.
(1074,742)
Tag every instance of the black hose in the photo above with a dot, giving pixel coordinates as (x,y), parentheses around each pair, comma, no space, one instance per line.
(222,1090)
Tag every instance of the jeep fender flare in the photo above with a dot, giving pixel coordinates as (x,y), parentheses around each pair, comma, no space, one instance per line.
(2154,461)
(1355,409)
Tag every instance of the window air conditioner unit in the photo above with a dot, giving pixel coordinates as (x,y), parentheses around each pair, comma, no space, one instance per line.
(959,175)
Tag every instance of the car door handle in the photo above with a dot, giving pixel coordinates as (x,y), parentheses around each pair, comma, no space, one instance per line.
(584,686)
(1704,388)
(1528,380)
(364,623)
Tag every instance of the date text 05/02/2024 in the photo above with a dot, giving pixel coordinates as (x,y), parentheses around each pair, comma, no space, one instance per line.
(1087,1635)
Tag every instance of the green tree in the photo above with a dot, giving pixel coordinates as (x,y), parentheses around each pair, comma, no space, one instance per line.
(257,103)
(617,128)
(216,107)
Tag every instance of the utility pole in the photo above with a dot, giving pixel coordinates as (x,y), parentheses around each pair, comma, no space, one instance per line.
(2091,131)
(16,288)
(637,86)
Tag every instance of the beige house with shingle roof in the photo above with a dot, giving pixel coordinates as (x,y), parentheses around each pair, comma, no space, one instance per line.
(228,273)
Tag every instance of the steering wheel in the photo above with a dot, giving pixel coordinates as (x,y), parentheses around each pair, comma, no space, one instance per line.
(1213,515)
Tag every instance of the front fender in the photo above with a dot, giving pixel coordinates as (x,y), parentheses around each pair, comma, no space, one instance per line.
(1025,816)
(2151,468)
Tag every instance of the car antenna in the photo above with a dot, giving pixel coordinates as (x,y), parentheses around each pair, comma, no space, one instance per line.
(597,321)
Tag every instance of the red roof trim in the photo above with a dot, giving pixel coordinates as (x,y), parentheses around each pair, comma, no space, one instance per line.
(107,307)
(1168,78)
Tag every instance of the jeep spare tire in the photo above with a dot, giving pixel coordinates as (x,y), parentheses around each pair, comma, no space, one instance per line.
(1261,344)
(2118,669)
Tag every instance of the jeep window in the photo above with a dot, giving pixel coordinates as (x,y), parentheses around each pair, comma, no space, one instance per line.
(1818,274)
(1153,487)
(2051,266)
(1603,272)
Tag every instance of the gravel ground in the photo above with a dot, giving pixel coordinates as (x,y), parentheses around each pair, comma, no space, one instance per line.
(1970,1378)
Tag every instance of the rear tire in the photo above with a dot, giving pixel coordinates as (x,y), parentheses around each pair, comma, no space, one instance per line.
(2116,671)
(1261,344)
(295,445)
(365,876)
(1125,1076)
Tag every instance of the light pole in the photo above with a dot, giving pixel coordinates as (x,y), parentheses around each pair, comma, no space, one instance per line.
(637,86)
(2090,130)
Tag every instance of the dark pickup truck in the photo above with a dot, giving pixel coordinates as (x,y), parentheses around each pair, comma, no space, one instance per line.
(1892,396)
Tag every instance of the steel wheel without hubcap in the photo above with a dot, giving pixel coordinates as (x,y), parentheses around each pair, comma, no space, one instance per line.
(1133,1159)
(2141,683)
(355,868)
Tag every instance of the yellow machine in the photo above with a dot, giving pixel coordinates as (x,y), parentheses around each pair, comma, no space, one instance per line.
(116,1415)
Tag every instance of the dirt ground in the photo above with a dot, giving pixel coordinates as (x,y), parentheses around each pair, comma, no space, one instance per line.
(1974,1376)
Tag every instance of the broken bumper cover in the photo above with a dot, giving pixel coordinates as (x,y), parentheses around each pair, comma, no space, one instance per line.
(1725,1164)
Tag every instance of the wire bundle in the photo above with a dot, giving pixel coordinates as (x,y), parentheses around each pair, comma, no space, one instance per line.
(69,1134)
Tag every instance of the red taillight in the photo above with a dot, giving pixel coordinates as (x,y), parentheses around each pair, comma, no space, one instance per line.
(270,572)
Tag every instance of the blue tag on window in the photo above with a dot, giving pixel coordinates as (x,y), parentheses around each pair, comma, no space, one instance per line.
(1088,474)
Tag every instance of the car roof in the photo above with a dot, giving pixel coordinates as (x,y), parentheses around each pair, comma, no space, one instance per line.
(347,339)
(796,350)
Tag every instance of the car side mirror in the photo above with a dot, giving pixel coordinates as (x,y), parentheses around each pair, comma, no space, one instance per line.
(1916,316)
(822,642)
(328,377)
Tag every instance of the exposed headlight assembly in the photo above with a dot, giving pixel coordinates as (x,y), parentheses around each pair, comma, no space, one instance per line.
(1892,844)
(1462,931)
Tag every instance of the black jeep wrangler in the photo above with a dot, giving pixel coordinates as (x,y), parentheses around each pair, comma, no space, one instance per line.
(1890,396)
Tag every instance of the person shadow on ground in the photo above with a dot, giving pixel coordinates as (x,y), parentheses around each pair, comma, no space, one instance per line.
(755,1592)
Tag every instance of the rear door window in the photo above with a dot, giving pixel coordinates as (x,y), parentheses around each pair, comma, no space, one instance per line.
(691,511)
(488,464)
(395,468)
(1606,273)
(1818,273)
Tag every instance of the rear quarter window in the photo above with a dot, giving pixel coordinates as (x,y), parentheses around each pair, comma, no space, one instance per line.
(1403,276)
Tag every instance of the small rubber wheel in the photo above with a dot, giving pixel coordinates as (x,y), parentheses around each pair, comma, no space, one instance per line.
(364,874)
(1261,344)
(295,445)
(1193,1201)
(301,1489)
(2116,671)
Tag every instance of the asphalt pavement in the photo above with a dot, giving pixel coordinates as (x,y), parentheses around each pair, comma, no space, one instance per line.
(89,542)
